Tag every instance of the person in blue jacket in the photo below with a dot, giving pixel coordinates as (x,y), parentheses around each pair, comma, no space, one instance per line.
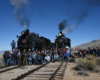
(13,44)
(67,55)
(33,46)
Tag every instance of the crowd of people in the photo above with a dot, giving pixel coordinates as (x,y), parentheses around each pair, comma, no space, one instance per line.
(26,57)
(37,57)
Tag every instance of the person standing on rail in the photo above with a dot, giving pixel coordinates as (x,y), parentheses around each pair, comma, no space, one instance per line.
(33,45)
(13,44)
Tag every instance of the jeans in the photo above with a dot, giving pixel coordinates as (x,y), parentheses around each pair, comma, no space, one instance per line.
(18,61)
(68,59)
(84,56)
(8,61)
(56,57)
(34,60)
(13,62)
(81,55)
(32,48)
(13,48)
(29,60)
(45,60)
(30,63)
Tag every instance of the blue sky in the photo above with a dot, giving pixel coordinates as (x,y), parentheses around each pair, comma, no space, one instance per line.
(45,16)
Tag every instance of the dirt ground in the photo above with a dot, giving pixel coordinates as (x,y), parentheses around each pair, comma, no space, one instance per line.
(71,74)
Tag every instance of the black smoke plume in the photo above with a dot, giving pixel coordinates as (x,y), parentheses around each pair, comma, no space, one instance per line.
(20,11)
(62,25)
(77,14)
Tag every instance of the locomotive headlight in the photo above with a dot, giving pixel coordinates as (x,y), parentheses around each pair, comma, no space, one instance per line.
(59,34)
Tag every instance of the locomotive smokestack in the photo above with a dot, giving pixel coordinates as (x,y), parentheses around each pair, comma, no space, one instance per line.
(27,31)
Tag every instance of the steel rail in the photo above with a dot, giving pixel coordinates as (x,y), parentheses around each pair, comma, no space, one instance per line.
(53,75)
(3,67)
(9,69)
(29,72)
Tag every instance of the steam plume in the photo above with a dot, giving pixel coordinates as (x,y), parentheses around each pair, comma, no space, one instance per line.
(20,12)
(68,29)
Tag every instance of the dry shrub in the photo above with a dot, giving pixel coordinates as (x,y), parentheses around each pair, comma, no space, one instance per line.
(82,73)
(97,70)
(86,64)
(98,61)
(90,57)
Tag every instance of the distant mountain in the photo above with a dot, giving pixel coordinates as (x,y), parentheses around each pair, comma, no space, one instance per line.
(1,52)
(4,51)
(93,43)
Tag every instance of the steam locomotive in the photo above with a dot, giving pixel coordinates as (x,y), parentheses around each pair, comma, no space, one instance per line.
(26,39)
(61,41)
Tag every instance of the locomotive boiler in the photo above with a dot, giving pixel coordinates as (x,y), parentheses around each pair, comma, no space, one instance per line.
(61,41)
(26,39)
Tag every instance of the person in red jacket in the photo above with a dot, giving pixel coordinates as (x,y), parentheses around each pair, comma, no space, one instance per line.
(64,51)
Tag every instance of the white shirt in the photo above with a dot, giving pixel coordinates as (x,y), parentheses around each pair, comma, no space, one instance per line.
(18,53)
(47,58)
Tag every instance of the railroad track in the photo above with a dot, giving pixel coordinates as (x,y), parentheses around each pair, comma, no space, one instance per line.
(48,71)
(16,72)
